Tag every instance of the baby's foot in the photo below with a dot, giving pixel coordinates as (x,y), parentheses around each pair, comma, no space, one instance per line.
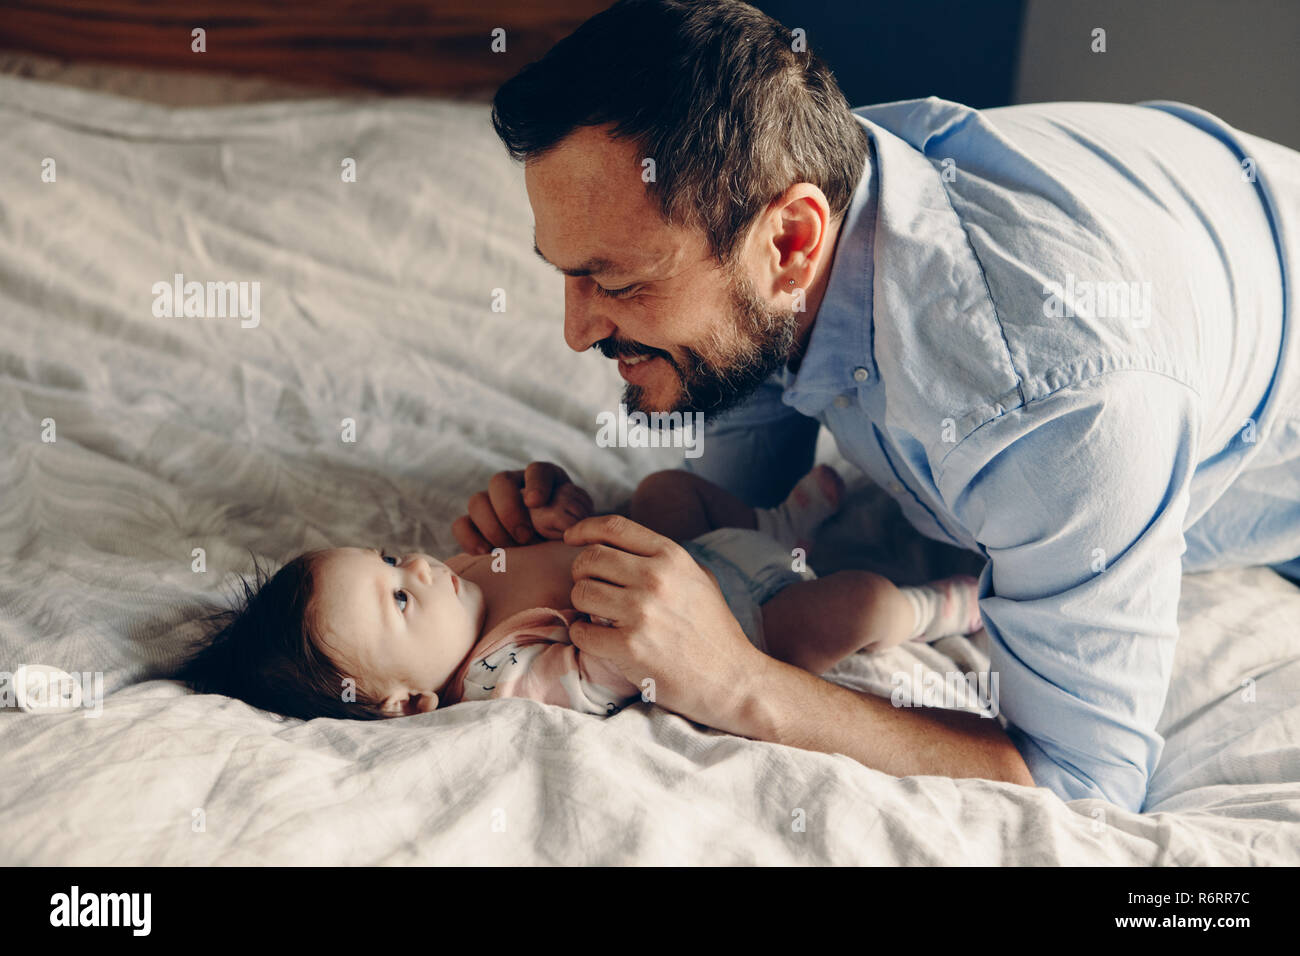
(945,607)
(815,498)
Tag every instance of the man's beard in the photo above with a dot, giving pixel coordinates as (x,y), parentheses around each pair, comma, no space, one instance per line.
(731,363)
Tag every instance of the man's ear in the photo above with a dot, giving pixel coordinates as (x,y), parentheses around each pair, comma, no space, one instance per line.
(800,231)
(425,703)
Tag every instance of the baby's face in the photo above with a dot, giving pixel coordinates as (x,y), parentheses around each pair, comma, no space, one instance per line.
(400,625)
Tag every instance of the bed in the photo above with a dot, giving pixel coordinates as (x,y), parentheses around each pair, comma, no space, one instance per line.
(148,459)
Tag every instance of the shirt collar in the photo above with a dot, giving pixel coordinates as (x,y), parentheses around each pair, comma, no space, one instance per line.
(840,342)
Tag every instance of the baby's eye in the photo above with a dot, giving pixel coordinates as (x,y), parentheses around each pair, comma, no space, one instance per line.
(400,597)
(389,559)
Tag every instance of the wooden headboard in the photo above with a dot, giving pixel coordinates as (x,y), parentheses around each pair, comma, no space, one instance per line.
(437,47)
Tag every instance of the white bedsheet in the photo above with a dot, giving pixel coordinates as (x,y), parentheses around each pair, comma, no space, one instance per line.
(376,298)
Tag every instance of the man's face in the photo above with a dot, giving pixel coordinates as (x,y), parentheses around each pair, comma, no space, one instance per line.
(689,335)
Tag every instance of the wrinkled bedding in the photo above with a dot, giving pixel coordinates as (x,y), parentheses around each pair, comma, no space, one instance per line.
(172,434)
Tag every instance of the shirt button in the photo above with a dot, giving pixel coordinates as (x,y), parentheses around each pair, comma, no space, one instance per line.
(841,401)
(895,487)
(860,374)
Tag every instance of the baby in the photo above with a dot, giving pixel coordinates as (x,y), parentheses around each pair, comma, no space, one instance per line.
(355,632)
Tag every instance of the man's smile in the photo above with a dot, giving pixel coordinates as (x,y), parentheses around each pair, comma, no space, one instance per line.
(636,369)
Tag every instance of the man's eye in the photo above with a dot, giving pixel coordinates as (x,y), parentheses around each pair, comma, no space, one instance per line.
(389,559)
(615,293)
(400,597)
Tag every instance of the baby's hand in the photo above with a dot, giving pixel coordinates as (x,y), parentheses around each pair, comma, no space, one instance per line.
(520,506)
(569,505)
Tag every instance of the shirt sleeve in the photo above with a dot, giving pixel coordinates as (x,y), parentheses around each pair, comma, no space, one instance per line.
(759,449)
(1079,500)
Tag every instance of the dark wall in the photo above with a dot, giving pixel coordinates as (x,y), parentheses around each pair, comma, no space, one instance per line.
(1238,60)
(880,52)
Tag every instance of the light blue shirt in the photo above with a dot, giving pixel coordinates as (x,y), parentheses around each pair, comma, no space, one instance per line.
(977,357)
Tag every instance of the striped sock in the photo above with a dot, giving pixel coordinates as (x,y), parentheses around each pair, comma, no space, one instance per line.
(945,607)
(815,498)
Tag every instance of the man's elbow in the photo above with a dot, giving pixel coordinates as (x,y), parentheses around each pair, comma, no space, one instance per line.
(1003,762)
(1013,768)
(999,759)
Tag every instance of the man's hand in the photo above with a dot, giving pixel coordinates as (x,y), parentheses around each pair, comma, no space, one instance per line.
(670,622)
(519,507)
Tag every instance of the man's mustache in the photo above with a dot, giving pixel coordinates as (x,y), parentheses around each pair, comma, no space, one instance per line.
(612,350)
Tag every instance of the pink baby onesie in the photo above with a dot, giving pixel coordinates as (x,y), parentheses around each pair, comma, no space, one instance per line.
(529,654)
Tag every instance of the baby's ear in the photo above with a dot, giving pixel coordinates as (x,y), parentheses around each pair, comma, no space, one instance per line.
(404,705)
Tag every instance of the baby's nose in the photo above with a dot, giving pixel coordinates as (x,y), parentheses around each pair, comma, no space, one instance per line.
(422,570)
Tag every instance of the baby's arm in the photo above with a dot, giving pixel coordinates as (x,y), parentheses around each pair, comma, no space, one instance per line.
(682,505)
(539,662)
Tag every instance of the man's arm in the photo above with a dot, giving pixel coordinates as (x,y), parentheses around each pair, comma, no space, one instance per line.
(786,705)
(1079,499)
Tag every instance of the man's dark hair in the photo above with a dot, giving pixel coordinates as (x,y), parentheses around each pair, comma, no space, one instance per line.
(712,91)
(264,651)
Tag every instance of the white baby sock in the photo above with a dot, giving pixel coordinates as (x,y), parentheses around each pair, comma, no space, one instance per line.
(949,606)
(815,498)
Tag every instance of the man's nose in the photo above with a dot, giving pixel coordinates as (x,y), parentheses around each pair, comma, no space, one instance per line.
(583,325)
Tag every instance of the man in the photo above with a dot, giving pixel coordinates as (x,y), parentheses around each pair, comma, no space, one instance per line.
(1059,335)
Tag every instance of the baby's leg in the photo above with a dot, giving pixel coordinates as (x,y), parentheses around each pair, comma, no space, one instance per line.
(816,624)
(681,505)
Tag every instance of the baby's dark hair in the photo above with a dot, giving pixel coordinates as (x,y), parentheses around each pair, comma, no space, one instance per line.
(266,651)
